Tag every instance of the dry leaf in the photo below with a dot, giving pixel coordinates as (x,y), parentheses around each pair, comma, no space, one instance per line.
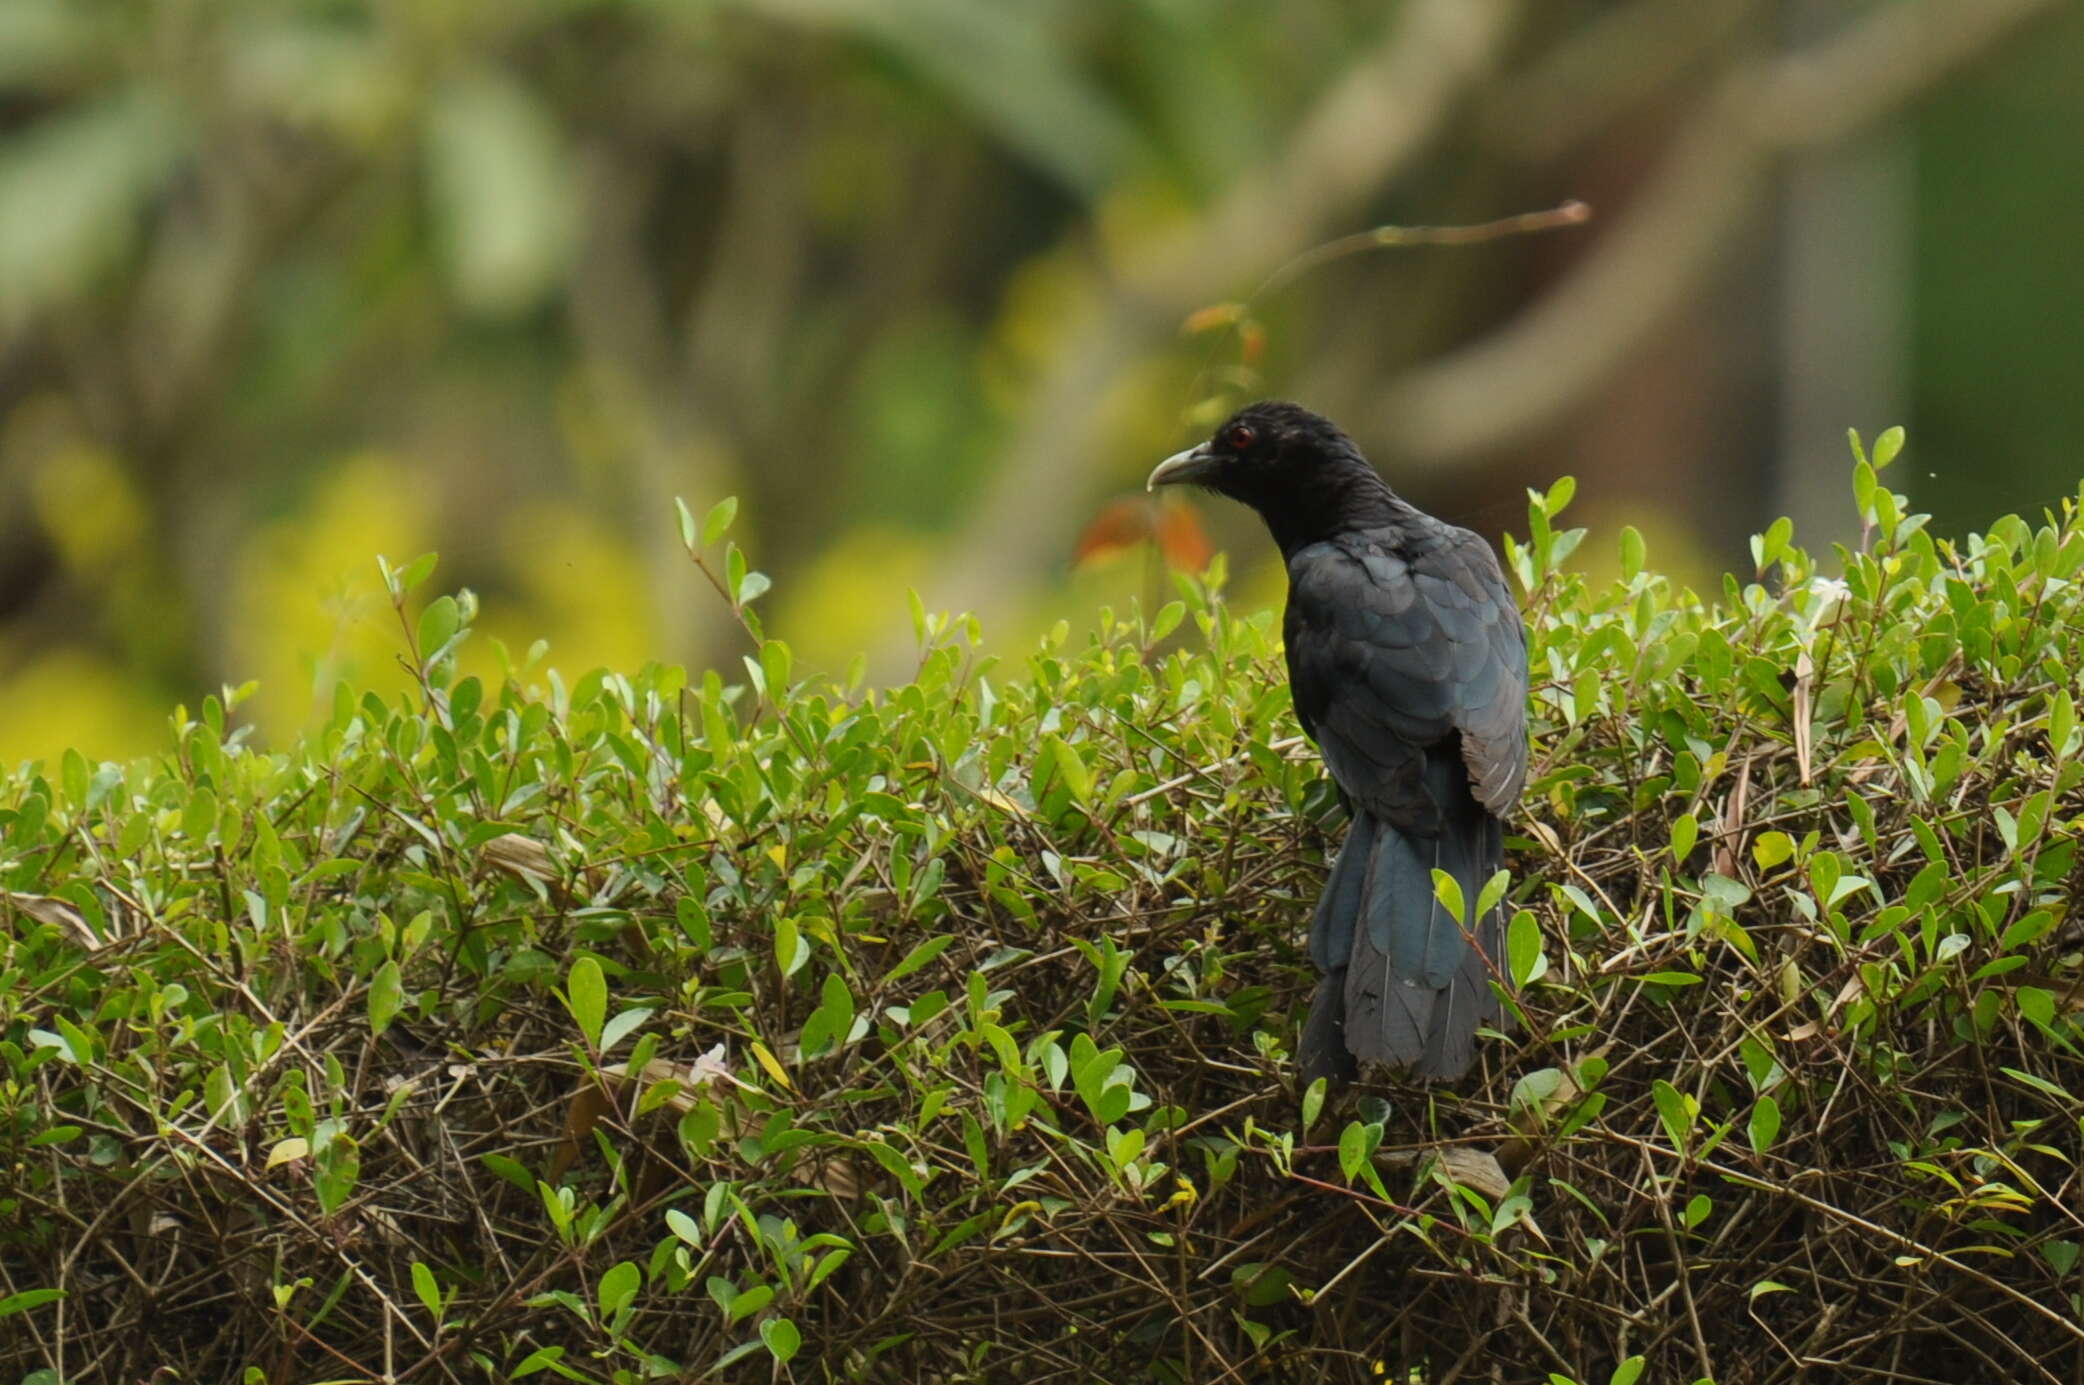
(1475,1169)
(836,1176)
(530,862)
(1805,692)
(998,799)
(588,1104)
(1546,835)
(524,858)
(703,1072)
(1853,988)
(1730,832)
(57,913)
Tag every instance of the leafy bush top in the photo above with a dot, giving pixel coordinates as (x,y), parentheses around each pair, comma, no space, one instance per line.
(657,1027)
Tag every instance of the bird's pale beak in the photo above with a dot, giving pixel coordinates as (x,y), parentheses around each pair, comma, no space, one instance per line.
(1190,465)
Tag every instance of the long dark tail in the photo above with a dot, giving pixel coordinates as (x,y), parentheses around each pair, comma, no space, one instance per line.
(1402,983)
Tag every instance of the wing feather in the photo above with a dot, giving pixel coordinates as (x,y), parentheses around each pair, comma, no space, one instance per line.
(1397,641)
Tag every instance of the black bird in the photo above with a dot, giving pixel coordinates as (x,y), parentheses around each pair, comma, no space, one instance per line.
(1408,662)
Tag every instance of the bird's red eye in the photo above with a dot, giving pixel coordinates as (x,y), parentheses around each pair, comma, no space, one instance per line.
(1239,436)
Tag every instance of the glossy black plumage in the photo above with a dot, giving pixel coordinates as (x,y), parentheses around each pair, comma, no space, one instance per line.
(1408,662)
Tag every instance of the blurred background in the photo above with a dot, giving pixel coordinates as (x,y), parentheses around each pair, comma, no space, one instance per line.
(284,286)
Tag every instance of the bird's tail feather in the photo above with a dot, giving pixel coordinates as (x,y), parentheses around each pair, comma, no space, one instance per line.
(1411,984)
(1323,1051)
(1338,908)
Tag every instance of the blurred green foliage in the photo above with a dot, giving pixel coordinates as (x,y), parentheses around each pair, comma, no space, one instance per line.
(284,285)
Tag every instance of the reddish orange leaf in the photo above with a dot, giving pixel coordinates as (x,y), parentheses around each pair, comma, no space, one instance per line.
(1120,524)
(1251,343)
(1181,538)
(1208,319)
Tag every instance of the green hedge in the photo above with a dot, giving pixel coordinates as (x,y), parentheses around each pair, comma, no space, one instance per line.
(649,1027)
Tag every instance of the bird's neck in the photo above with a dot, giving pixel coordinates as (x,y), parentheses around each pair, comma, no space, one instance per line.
(1355,499)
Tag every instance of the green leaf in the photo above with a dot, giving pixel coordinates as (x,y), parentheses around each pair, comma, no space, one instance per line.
(1313,1101)
(586,996)
(833,1021)
(750,1302)
(1493,891)
(1262,1284)
(1353,1150)
(23,1301)
(1523,948)
(2062,722)
(2042,1085)
(1684,831)
(618,1287)
(621,1027)
(428,1291)
(776,663)
(512,1170)
(919,956)
(735,568)
(199,815)
(687,524)
(336,1169)
(782,1339)
(831,1261)
(1628,1372)
(1824,871)
(1633,552)
(791,948)
(1887,447)
(1772,849)
(540,1359)
(1123,1146)
(684,1226)
(415,572)
(438,624)
(78,1042)
(1677,1111)
(1078,780)
(717,522)
(1448,891)
(386,995)
(1765,1124)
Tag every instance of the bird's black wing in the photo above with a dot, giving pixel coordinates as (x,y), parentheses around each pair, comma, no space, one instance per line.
(1399,640)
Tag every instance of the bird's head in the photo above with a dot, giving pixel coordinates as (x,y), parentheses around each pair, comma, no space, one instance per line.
(1295,467)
